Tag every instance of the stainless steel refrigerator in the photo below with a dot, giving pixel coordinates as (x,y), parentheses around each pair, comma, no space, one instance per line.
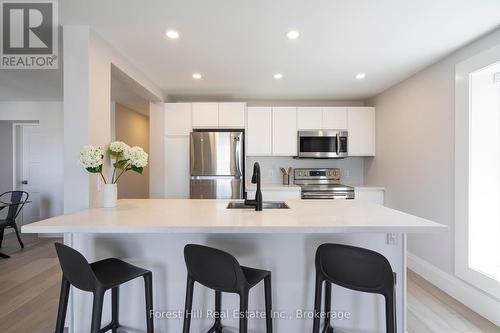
(217,165)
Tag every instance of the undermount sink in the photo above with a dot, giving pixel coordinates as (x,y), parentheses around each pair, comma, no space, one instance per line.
(265,205)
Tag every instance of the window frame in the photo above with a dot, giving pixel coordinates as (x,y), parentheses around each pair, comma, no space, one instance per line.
(463,70)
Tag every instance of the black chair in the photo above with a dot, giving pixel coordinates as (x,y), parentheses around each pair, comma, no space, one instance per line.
(357,269)
(97,278)
(15,204)
(220,271)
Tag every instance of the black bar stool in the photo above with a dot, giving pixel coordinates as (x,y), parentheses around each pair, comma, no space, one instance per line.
(357,269)
(97,278)
(220,271)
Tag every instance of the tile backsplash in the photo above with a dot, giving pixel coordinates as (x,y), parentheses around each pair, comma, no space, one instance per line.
(351,168)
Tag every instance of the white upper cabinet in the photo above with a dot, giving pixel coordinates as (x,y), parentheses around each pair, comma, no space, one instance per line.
(285,131)
(259,131)
(334,117)
(309,118)
(315,118)
(205,115)
(177,118)
(215,115)
(232,115)
(361,127)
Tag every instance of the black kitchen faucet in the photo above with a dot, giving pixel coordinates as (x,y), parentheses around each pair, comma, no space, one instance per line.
(257,202)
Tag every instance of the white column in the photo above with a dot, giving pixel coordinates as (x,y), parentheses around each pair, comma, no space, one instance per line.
(87,112)
(76,121)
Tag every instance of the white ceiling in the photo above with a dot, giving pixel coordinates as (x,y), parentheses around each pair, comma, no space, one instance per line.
(238,45)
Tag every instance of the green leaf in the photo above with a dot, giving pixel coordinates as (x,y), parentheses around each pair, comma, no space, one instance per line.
(139,170)
(95,170)
(120,164)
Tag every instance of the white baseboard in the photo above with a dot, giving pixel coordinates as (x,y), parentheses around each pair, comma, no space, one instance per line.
(485,305)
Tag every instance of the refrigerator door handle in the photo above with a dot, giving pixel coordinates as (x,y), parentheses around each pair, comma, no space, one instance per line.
(239,157)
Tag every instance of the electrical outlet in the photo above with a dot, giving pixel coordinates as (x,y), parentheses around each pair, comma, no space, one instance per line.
(392,239)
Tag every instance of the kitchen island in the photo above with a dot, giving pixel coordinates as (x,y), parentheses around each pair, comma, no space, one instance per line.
(152,234)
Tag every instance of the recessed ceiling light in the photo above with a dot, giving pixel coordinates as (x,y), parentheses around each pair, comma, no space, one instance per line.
(172,34)
(360,76)
(292,34)
(197,76)
(278,76)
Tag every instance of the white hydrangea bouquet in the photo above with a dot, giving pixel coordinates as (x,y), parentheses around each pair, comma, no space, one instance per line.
(124,158)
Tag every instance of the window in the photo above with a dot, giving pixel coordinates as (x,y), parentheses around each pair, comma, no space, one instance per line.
(477,171)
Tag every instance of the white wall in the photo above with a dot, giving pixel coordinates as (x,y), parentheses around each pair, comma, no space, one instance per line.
(132,128)
(88,60)
(50,117)
(415,150)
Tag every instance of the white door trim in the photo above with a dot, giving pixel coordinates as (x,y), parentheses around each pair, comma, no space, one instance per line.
(15,163)
(14,150)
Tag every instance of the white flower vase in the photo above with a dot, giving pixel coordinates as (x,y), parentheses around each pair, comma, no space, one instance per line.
(109,195)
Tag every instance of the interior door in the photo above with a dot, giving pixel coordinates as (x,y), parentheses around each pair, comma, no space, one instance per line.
(30,171)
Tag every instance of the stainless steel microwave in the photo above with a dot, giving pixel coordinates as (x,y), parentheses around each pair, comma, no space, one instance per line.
(322,144)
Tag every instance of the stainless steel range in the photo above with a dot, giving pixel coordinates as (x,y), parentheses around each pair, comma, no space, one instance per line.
(322,184)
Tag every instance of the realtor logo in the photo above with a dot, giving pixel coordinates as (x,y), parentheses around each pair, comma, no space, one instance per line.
(29,34)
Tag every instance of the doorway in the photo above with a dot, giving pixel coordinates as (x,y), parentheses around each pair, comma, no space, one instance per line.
(27,173)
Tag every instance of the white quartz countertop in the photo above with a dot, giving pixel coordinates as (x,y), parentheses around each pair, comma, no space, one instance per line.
(211,216)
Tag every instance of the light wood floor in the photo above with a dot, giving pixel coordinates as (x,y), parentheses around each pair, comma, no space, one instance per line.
(30,280)
(432,311)
(29,285)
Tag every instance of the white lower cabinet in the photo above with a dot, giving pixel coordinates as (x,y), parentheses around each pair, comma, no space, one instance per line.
(177,167)
(369,195)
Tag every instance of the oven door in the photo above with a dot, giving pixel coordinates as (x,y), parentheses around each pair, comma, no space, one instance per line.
(327,195)
(327,192)
(322,144)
